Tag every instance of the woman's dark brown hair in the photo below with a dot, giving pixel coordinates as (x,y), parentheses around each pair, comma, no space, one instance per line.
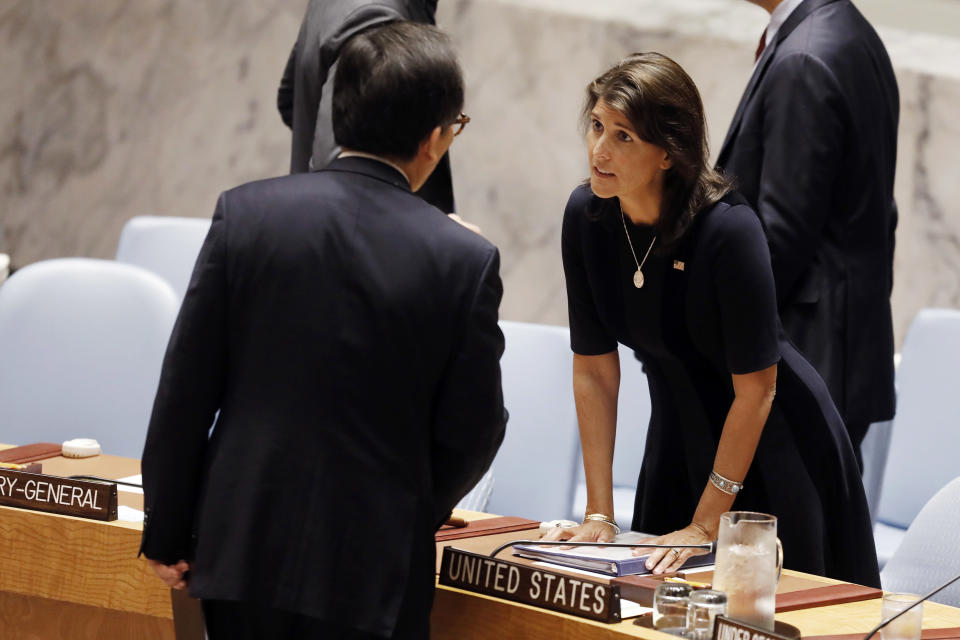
(664,108)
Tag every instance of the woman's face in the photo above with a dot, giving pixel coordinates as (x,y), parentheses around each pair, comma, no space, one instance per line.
(621,164)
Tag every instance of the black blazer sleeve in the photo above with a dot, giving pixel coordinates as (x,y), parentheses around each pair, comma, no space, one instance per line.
(285,91)
(470,419)
(188,398)
(804,114)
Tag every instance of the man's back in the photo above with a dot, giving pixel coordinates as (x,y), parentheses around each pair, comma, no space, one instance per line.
(346,332)
(360,343)
(813,148)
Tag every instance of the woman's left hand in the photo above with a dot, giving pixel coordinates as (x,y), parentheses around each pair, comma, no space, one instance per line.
(669,560)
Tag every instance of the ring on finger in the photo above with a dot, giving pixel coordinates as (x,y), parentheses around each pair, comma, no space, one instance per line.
(676,554)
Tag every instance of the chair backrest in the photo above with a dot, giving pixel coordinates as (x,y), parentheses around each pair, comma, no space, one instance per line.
(535,468)
(875,449)
(633,419)
(81,345)
(165,245)
(928,556)
(926,430)
(479,496)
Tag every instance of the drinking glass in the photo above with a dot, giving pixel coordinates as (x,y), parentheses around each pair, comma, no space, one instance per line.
(705,605)
(907,626)
(749,560)
(670,607)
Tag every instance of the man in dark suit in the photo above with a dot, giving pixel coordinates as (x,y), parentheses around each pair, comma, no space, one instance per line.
(304,98)
(346,331)
(813,147)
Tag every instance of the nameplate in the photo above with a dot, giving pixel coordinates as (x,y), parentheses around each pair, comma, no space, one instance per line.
(81,498)
(529,585)
(727,629)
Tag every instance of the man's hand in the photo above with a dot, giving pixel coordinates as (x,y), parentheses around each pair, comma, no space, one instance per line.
(173,575)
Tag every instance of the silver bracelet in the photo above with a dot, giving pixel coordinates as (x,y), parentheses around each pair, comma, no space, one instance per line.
(601,517)
(723,484)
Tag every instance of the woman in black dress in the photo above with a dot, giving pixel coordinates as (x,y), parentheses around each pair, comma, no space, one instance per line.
(661,255)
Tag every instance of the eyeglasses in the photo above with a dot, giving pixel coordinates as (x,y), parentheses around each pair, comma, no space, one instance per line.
(461,120)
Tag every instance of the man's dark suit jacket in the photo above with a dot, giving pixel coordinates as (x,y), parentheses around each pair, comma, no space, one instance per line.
(813,148)
(305,96)
(347,333)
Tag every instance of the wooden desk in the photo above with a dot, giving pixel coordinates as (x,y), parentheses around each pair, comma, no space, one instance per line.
(64,578)
(462,615)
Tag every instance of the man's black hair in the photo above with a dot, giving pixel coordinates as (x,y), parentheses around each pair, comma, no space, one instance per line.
(393,86)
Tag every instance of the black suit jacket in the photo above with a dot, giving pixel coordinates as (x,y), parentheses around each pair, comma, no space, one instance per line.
(347,333)
(813,148)
(304,98)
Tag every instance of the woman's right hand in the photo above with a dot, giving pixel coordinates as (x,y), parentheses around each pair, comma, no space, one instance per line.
(589,531)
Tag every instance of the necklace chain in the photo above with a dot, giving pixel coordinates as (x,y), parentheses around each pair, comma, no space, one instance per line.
(638,276)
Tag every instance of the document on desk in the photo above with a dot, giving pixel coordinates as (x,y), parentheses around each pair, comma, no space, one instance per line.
(137,479)
(609,561)
(129,514)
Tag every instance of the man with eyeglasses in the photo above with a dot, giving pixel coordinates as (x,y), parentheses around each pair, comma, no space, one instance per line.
(346,331)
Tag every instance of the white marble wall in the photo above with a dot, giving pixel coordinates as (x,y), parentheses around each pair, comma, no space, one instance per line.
(527,62)
(112,108)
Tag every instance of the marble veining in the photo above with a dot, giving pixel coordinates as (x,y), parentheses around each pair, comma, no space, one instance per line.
(114,108)
(714,41)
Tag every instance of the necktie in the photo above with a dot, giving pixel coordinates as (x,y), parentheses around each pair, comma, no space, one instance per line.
(761,46)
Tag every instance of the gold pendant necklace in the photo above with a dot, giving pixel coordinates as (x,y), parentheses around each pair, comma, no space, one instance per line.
(638,276)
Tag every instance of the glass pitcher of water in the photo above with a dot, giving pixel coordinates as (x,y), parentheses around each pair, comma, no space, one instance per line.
(749,561)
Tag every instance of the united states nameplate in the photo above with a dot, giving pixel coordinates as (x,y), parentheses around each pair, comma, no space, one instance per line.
(530,585)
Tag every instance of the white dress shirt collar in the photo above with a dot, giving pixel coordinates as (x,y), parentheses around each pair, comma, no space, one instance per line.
(779,16)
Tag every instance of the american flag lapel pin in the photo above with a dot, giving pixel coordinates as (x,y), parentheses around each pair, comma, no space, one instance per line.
(678,265)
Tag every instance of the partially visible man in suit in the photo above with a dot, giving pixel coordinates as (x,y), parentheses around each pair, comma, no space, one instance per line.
(346,331)
(305,96)
(813,147)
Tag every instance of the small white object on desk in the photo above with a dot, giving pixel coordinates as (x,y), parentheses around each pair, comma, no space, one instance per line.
(137,479)
(81,448)
(556,524)
(129,514)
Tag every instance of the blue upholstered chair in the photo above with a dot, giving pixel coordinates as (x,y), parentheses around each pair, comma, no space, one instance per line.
(633,418)
(167,246)
(479,496)
(81,344)
(534,470)
(926,430)
(875,449)
(927,557)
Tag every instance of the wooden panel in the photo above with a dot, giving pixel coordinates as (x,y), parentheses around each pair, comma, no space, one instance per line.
(927,634)
(102,465)
(861,617)
(80,561)
(34,618)
(460,615)
(489,526)
(30,452)
(821,596)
